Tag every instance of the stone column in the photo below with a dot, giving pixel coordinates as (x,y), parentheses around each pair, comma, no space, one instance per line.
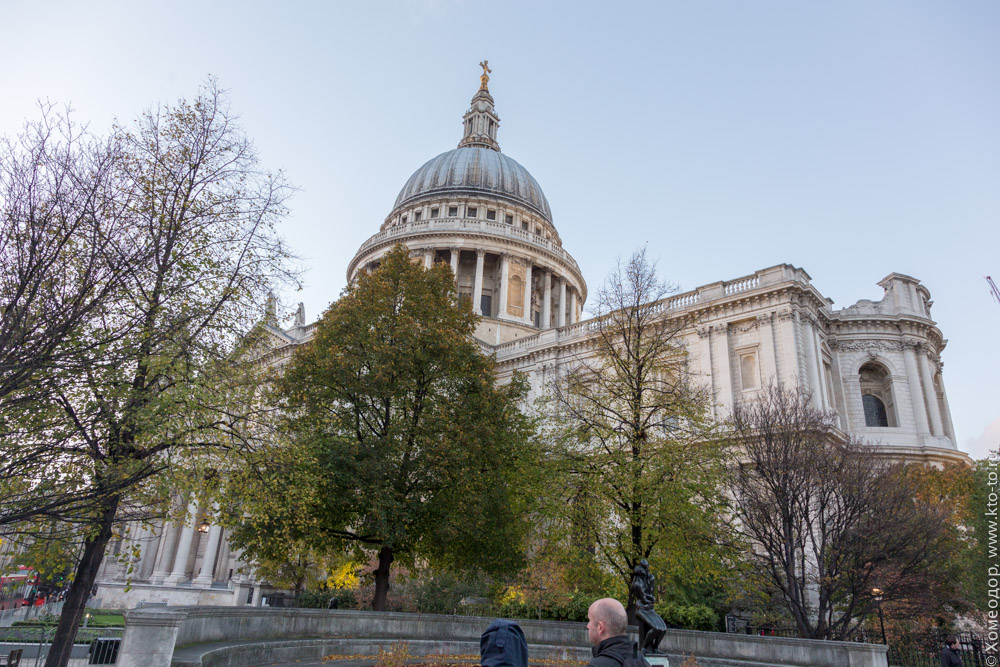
(547,300)
(946,417)
(561,313)
(927,379)
(504,274)
(184,546)
(165,559)
(913,384)
(527,294)
(810,362)
(454,264)
(477,286)
(572,306)
(428,257)
(827,404)
(207,574)
(720,355)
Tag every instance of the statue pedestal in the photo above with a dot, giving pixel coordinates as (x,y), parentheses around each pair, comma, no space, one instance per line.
(657,660)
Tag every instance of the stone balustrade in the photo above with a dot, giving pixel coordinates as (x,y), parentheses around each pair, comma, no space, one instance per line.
(467,225)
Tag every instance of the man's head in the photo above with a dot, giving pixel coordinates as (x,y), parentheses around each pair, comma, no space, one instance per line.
(951,641)
(606,618)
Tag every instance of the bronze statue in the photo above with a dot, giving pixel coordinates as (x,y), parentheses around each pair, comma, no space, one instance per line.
(485,78)
(651,626)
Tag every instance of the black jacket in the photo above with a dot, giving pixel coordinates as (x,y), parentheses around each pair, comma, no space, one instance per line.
(612,652)
(950,657)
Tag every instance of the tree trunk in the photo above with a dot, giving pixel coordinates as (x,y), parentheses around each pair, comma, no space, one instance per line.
(381,579)
(79,591)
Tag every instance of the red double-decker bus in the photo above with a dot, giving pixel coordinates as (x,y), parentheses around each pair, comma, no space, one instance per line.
(19,589)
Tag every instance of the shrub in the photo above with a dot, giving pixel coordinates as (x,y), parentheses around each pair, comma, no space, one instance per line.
(689,617)
(443,592)
(321,599)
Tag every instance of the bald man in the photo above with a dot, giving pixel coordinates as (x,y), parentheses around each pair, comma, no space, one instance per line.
(607,624)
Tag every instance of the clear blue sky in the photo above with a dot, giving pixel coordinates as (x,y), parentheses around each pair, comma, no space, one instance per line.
(851,138)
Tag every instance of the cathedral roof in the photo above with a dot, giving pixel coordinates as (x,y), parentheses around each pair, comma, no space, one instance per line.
(473,170)
(477,167)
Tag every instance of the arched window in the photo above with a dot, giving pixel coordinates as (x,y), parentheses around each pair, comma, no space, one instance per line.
(876,395)
(875,414)
(748,370)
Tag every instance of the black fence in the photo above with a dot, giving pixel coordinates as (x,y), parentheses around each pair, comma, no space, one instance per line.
(741,626)
(973,648)
(918,651)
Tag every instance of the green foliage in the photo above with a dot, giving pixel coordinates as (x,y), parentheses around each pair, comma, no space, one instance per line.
(395,436)
(320,599)
(442,592)
(985,479)
(636,466)
(689,617)
(572,607)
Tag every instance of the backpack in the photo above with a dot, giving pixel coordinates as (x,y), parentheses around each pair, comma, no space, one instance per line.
(634,660)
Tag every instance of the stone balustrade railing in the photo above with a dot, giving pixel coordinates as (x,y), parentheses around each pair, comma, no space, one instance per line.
(675,303)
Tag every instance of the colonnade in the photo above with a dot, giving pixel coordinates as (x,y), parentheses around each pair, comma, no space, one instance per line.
(920,375)
(177,548)
(557,292)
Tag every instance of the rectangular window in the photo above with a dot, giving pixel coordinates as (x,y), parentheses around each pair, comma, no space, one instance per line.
(434,212)
(524,225)
(509,219)
(472,212)
(452,211)
(402,218)
(491,214)
(486,305)
(416,216)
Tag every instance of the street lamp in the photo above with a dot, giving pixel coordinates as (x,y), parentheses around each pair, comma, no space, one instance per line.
(877,596)
(203,526)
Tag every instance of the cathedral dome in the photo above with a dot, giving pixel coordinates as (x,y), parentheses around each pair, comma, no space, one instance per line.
(475,170)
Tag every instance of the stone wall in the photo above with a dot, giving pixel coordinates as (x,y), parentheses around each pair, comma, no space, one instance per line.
(232,637)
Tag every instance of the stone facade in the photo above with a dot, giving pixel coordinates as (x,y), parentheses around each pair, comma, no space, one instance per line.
(876,364)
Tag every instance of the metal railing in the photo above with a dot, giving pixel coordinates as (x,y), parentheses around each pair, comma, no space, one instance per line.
(918,651)
(92,646)
(972,647)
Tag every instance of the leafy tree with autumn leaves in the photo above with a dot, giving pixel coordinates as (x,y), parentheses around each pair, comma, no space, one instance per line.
(636,462)
(395,438)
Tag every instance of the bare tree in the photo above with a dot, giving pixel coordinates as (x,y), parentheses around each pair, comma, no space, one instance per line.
(636,432)
(64,221)
(834,525)
(149,379)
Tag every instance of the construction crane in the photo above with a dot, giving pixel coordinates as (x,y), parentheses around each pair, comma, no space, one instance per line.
(993,289)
